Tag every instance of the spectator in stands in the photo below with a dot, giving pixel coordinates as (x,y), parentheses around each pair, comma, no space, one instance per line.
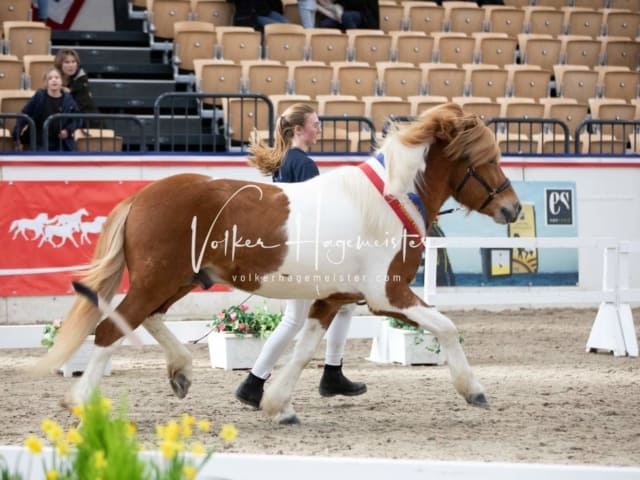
(348,14)
(307,10)
(297,130)
(258,13)
(45,102)
(75,80)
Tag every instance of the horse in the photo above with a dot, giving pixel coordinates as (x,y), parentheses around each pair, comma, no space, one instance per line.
(36,225)
(74,218)
(94,226)
(63,231)
(354,233)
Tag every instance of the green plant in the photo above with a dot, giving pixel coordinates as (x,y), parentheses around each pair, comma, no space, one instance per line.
(240,320)
(433,347)
(50,332)
(106,446)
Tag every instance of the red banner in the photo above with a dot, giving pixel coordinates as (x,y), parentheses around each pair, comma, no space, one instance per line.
(49,229)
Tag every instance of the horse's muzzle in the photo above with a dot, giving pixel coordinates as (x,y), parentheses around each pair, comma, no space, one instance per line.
(510,215)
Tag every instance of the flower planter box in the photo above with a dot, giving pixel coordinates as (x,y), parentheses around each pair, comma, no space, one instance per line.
(80,359)
(407,347)
(233,352)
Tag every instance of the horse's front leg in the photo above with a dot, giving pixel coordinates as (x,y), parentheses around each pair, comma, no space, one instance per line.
(179,358)
(448,336)
(276,401)
(81,391)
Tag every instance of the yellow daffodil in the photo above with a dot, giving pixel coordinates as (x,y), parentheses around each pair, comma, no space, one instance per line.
(52,474)
(78,411)
(99,459)
(186,431)
(53,431)
(188,420)
(73,436)
(198,449)
(63,448)
(168,449)
(228,432)
(131,429)
(189,472)
(171,431)
(204,426)
(33,443)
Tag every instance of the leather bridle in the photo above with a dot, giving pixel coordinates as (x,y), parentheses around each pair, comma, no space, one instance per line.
(492,192)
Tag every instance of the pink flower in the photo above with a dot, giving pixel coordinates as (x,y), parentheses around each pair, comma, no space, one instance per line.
(233,316)
(241,327)
(57,323)
(220,327)
(244,307)
(221,316)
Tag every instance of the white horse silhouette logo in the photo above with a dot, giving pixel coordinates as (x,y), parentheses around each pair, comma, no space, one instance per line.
(36,225)
(62,227)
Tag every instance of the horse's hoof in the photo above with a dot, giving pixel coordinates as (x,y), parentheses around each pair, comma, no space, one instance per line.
(180,385)
(478,400)
(292,420)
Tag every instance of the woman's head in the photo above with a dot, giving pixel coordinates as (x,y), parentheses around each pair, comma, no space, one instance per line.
(298,126)
(67,61)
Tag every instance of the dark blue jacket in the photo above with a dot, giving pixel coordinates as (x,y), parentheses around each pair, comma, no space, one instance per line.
(35,109)
(296,167)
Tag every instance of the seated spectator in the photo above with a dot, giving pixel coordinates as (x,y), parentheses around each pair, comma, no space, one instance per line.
(257,14)
(45,102)
(307,10)
(349,14)
(75,80)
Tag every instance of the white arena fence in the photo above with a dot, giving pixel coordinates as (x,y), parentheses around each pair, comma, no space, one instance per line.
(235,466)
(613,328)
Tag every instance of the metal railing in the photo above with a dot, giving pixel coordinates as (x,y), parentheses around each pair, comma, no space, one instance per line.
(522,135)
(608,136)
(8,121)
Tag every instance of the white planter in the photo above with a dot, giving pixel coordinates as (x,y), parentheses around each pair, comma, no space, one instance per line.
(233,352)
(395,345)
(80,359)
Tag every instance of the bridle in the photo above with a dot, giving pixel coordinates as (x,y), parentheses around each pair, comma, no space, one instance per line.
(492,193)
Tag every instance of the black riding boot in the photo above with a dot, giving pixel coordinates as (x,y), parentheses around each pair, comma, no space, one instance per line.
(333,382)
(250,391)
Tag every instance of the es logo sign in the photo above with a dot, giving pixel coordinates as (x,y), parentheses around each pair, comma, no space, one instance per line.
(559,209)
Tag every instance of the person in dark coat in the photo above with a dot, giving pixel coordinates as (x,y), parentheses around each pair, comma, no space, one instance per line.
(352,14)
(46,102)
(76,80)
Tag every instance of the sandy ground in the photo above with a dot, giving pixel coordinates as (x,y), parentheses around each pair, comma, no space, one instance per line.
(551,402)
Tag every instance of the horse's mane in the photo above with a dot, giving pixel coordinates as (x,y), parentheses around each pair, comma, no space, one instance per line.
(466,136)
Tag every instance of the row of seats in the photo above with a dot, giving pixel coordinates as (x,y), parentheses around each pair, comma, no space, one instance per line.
(405,79)
(592,18)
(195,40)
(26,73)
(24,37)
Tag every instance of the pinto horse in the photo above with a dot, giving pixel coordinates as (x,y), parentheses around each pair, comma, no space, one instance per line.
(354,233)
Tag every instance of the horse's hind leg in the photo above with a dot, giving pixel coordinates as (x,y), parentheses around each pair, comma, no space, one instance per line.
(179,358)
(276,401)
(90,379)
(443,328)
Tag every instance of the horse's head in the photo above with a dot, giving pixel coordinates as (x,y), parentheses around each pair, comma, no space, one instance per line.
(471,161)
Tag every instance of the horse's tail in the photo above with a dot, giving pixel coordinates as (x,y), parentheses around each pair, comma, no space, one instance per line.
(104,276)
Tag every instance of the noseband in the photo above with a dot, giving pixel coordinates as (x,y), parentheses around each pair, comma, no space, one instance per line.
(492,193)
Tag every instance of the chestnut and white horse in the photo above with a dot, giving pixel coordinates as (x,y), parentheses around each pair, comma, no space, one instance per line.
(353,233)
